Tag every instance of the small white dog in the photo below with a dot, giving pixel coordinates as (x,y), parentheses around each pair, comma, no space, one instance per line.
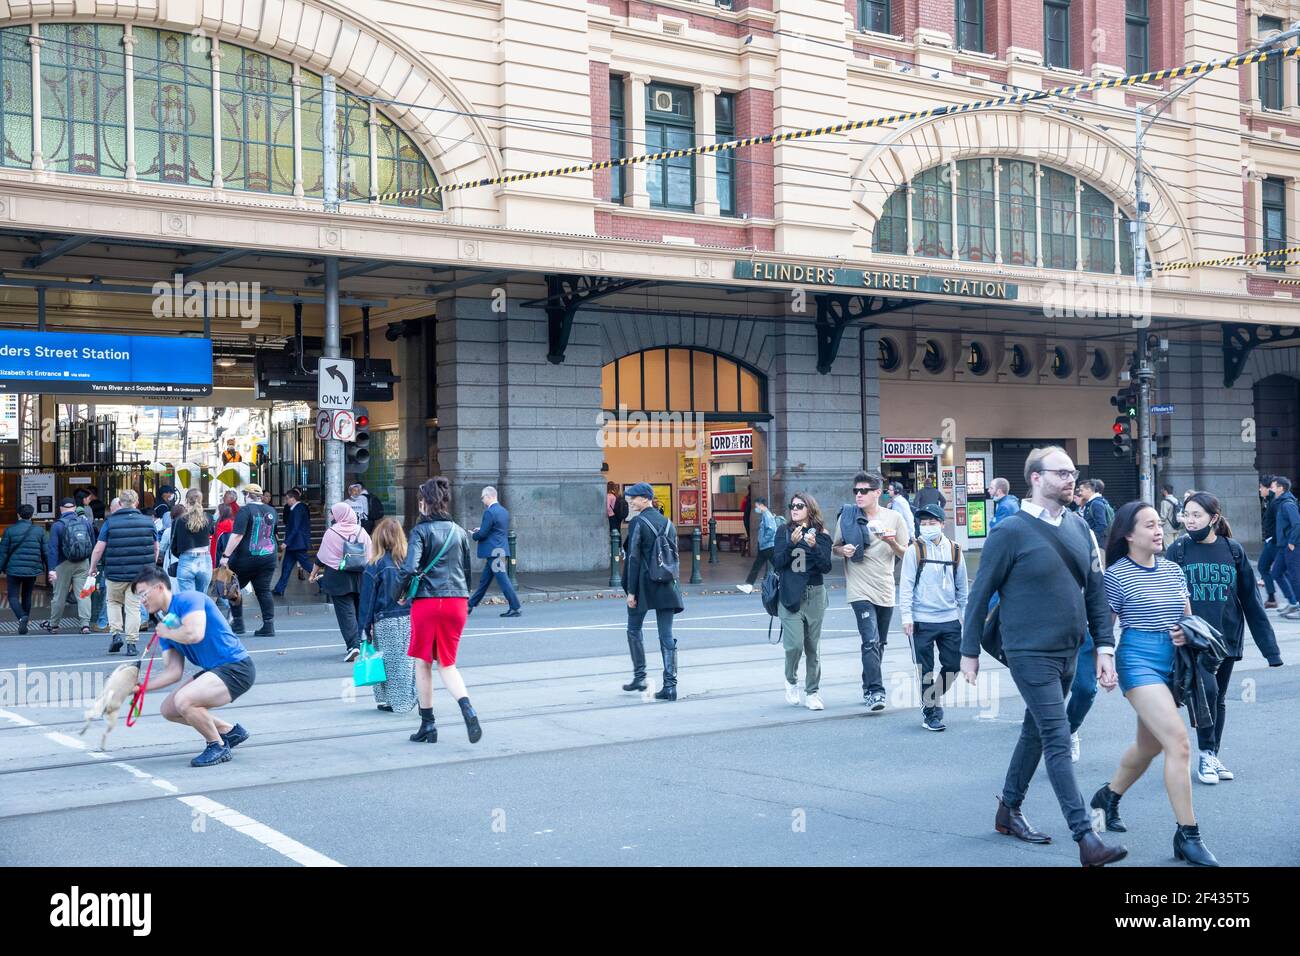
(118,691)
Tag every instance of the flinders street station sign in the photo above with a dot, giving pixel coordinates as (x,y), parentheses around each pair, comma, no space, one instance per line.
(854,280)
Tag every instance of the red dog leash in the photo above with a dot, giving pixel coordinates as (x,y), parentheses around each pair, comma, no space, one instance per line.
(137,702)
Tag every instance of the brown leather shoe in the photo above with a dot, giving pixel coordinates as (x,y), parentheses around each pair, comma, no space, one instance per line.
(1012,822)
(1270,604)
(1092,852)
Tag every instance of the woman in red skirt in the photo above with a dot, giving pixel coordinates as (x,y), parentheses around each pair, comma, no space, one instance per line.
(437,560)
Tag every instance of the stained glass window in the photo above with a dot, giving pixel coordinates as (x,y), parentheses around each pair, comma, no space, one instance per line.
(932,213)
(83,122)
(83,99)
(891,228)
(1059,221)
(1019,198)
(1098,223)
(976,238)
(173,107)
(16,101)
(401,166)
(256,121)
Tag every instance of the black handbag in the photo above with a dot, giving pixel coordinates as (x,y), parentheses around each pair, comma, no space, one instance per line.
(354,554)
(991,638)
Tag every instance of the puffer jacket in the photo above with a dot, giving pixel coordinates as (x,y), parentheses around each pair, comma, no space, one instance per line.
(130,545)
(22,550)
(450,577)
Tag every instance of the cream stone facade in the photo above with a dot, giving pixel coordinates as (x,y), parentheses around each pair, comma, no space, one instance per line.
(502,369)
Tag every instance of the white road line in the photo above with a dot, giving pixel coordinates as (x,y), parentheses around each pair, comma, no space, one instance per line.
(17,719)
(272,839)
(164,785)
(67,741)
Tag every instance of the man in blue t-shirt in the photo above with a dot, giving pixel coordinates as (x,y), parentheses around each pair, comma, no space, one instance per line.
(204,639)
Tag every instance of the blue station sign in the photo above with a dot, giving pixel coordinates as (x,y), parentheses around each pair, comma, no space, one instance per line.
(85,363)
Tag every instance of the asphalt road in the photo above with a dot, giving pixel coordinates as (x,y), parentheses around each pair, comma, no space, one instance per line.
(573,771)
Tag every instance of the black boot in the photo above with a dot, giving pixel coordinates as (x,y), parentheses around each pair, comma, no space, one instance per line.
(637,650)
(428,733)
(471,720)
(1189,848)
(669,691)
(1107,800)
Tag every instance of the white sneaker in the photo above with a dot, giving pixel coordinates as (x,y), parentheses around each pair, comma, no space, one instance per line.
(1223,772)
(814,702)
(1292,612)
(1205,771)
(351,655)
(745,588)
(792,694)
(1074,748)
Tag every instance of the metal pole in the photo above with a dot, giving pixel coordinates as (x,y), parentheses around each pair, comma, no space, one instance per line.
(696,577)
(513,556)
(1143,372)
(333,457)
(615,555)
(713,541)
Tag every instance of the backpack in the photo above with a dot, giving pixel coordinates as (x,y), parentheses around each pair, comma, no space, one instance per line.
(1107,512)
(921,561)
(620,510)
(261,534)
(376,512)
(664,563)
(75,542)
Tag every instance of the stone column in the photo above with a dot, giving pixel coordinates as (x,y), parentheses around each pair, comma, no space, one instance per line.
(634,116)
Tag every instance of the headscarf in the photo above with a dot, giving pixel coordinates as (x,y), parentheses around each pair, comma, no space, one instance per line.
(344,528)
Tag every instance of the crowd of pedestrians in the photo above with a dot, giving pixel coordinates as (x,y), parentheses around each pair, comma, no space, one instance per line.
(1170,578)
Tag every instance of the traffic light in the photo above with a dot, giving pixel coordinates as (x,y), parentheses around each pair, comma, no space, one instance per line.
(1125,401)
(357,451)
(1164,446)
(1121,444)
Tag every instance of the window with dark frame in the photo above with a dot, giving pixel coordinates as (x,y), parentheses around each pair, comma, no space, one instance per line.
(1270,70)
(676,379)
(617,137)
(725,127)
(670,181)
(1137,36)
(970,25)
(1056,33)
(873,15)
(1274,194)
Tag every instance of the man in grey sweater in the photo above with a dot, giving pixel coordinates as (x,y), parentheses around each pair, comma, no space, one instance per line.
(1044,615)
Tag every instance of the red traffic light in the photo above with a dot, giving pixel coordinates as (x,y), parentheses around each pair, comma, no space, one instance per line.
(1118,429)
(363,421)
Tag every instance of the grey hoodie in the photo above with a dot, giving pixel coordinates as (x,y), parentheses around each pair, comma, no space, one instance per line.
(935,600)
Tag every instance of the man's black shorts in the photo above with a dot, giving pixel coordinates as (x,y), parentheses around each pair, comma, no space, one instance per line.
(237,677)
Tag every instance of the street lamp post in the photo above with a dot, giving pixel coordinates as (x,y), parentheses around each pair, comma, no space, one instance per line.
(1143,372)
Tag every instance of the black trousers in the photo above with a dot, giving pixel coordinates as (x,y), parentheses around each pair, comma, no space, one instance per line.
(20,596)
(764,557)
(259,572)
(346,609)
(944,637)
(1044,681)
(1208,738)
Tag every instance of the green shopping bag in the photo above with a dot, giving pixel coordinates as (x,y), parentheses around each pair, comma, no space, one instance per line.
(369,667)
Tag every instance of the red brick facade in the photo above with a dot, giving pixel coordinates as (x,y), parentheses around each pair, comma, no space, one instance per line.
(754,191)
(728,234)
(1263,285)
(1008,23)
(600,138)
(1165,33)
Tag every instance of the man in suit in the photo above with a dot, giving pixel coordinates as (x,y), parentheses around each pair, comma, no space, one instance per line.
(297,538)
(493,545)
(1035,560)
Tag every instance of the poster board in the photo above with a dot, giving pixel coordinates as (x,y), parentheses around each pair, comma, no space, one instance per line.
(38,491)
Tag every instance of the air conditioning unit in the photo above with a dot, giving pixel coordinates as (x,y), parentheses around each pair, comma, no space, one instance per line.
(663,101)
(723,4)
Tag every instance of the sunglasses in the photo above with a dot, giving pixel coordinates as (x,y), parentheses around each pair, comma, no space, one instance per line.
(797,506)
(864,491)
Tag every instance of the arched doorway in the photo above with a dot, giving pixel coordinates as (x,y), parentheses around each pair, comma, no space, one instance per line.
(692,423)
(1277,426)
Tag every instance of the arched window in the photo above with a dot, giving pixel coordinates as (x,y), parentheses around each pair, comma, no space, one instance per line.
(83,126)
(1011,211)
(683,380)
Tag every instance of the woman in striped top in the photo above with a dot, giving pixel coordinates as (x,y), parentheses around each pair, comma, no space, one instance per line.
(1149,593)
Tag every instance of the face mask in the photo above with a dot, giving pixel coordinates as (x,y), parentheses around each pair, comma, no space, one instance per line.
(932,532)
(1201,535)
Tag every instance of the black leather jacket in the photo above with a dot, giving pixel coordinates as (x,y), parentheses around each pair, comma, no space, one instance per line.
(450,577)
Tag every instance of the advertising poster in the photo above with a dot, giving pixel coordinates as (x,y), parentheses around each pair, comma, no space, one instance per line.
(976,519)
(38,491)
(688,514)
(688,472)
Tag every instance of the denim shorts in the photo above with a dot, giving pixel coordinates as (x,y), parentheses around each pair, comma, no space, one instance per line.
(1144,657)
